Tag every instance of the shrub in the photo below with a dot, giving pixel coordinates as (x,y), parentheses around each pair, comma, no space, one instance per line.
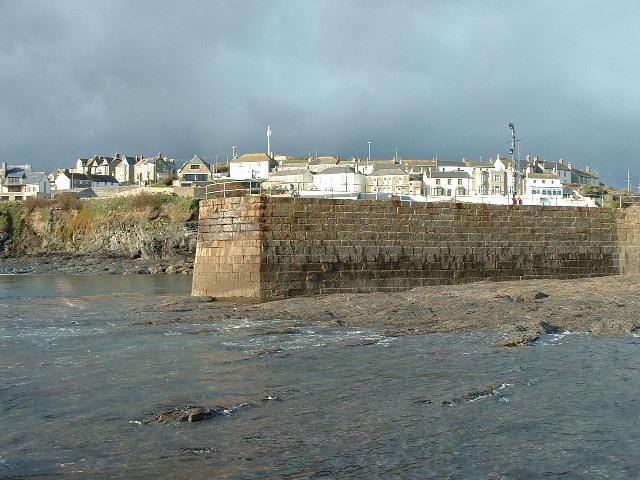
(146,201)
(67,201)
(31,203)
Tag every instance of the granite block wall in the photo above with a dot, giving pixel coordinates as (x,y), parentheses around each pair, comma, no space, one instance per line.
(266,248)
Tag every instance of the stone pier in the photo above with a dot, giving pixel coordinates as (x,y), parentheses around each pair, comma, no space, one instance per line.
(266,247)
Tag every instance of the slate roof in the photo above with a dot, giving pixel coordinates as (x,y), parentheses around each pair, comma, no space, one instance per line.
(556,165)
(584,173)
(451,163)
(336,171)
(479,164)
(195,160)
(251,157)
(549,176)
(284,173)
(383,172)
(324,161)
(449,175)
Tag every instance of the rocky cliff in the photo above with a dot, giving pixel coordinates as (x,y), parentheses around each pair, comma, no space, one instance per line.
(146,227)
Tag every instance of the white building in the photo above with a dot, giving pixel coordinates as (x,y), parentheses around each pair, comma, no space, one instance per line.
(291,180)
(123,168)
(67,180)
(251,166)
(543,188)
(392,180)
(153,170)
(19,182)
(556,168)
(322,163)
(340,179)
(456,183)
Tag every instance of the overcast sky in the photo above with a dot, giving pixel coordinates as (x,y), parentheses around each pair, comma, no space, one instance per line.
(79,77)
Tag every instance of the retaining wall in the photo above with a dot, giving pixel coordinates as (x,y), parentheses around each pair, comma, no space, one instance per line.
(265,248)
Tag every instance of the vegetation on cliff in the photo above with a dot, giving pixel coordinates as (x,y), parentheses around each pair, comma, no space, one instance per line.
(146,226)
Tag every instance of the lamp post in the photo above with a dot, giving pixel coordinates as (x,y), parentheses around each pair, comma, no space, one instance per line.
(233,149)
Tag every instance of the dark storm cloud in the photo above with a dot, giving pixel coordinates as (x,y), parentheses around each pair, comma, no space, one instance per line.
(80,77)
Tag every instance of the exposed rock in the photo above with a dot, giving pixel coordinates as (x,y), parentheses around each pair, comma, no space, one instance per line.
(476,395)
(520,340)
(540,295)
(185,414)
(549,328)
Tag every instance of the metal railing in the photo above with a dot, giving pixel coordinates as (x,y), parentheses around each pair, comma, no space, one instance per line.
(237,188)
(234,188)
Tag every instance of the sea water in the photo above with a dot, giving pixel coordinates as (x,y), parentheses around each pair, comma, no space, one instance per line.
(79,370)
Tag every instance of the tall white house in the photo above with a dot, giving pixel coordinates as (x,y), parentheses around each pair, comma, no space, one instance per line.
(543,188)
(251,166)
(340,179)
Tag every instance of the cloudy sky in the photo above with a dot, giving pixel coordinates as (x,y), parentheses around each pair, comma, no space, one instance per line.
(79,77)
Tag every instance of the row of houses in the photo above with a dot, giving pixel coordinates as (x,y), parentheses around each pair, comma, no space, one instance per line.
(429,177)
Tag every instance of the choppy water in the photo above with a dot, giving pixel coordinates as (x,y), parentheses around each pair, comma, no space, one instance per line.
(76,375)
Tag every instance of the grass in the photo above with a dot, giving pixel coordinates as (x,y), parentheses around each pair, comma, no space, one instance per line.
(11,218)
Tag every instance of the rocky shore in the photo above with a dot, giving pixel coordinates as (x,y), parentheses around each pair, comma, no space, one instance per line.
(521,311)
(64,264)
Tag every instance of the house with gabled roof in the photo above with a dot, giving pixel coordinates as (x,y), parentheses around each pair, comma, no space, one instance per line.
(70,180)
(123,168)
(555,168)
(300,179)
(392,180)
(251,166)
(585,177)
(322,163)
(455,183)
(194,172)
(19,182)
(340,179)
(154,169)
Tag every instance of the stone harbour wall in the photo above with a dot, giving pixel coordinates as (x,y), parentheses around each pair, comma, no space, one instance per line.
(267,248)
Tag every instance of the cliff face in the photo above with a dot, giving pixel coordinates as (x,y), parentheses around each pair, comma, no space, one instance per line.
(147,226)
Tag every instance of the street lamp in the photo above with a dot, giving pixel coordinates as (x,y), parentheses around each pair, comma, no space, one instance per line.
(233,149)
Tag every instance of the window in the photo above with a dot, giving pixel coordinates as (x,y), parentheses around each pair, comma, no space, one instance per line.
(496,178)
(542,181)
(195,167)
(459,181)
(448,181)
(496,190)
(437,181)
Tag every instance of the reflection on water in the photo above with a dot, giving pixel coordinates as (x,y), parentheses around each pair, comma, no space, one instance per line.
(28,286)
(77,375)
